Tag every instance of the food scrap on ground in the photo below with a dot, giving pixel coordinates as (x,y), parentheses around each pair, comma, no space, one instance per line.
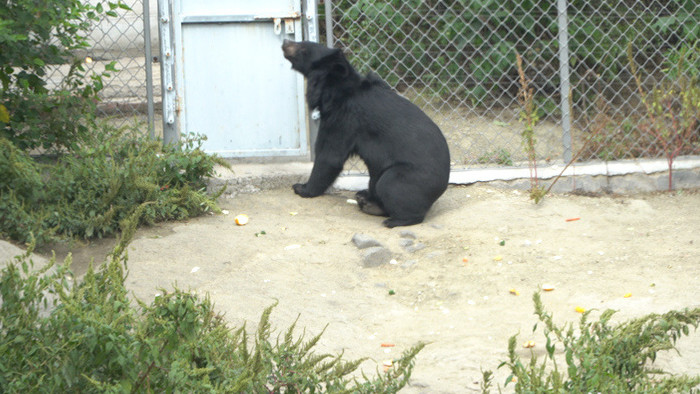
(241,219)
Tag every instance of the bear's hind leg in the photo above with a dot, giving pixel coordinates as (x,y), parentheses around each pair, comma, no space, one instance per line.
(369,205)
(405,199)
(392,222)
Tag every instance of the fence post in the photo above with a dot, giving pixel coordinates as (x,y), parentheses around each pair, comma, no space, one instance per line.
(146,4)
(328,14)
(564,86)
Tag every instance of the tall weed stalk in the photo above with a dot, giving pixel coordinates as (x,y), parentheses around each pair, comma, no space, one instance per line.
(672,109)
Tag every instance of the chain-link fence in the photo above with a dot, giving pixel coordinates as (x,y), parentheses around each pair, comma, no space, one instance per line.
(457,60)
(628,87)
(129,94)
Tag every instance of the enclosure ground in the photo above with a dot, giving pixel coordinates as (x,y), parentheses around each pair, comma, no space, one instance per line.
(454,293)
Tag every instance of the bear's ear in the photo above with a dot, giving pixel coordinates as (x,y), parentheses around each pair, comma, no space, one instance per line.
(334,63)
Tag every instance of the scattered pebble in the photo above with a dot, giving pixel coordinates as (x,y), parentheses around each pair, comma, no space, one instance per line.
(363,241)
(409,264)
(225,212)
(291,247)
(407,234)
(405,242)
(195,269)
(414,248)
(376,256)
(351,201)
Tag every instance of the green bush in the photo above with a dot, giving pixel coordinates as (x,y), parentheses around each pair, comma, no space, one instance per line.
(36,35)
(600,357)
(87,193)
(92,338)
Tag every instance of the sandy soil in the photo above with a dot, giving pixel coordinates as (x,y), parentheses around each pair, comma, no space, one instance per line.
(454,293)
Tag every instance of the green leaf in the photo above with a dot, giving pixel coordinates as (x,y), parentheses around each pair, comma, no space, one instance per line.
(4,114)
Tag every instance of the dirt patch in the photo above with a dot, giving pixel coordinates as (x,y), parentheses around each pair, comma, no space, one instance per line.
(454,293)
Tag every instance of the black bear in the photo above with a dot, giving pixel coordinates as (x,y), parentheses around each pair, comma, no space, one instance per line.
(405,152)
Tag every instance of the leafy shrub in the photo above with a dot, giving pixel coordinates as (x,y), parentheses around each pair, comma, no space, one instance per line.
(36,35)
(600,357)
(87,193)
(95,340)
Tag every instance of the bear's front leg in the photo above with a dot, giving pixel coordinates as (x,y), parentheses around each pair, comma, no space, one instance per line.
(322,177)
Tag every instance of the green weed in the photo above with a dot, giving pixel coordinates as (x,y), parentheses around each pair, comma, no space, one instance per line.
(90,338)
(600,357)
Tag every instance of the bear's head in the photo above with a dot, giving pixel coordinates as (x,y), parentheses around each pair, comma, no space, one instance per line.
(307,56)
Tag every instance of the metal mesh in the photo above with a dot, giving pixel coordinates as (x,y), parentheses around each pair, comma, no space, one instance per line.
(457,61)
(119,39)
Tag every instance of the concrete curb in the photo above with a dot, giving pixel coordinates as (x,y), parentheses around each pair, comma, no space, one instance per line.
(623,176)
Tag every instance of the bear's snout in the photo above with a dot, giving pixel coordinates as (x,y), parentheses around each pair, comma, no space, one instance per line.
(289,48)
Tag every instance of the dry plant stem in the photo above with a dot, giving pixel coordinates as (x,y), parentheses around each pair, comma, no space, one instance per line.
(525,97)
(678,136)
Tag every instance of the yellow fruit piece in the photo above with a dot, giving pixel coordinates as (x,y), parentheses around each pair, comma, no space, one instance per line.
(579,309)
(514,292)
(547,287)
(627,295)
(529,344)
(498,258)
(241,220)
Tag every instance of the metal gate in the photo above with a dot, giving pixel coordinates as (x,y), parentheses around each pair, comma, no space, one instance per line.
(224,75)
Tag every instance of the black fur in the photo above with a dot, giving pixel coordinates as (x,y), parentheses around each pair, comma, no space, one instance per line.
(405,152)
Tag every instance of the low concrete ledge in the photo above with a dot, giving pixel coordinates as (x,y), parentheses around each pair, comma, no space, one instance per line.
(624,176)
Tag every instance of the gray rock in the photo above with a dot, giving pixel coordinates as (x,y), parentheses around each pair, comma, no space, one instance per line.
(375,256)
(408,234)
(363,241)
(405,242)
(414,248)
(409,264)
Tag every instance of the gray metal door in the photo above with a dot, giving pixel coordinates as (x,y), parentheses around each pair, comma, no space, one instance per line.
(224,75)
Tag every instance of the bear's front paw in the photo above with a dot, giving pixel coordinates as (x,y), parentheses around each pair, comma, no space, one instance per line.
(300,189)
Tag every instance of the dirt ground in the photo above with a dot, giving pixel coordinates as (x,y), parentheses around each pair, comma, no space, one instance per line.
(454,293)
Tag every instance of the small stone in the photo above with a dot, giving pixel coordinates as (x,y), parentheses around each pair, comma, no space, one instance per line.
(376,256)
(414,248)
(407,234)
(405,242)
(363,241)
(409,264)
